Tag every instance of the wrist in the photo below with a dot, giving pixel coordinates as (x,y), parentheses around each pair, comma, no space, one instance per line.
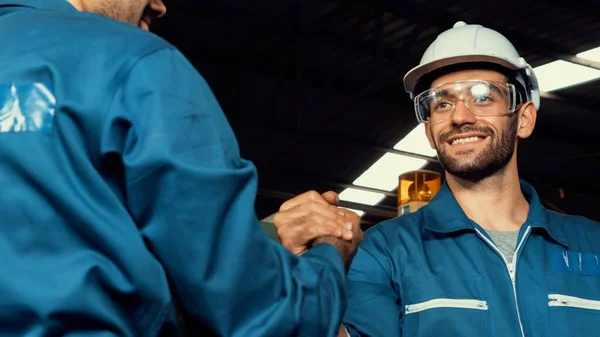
(342,247)
(325,239)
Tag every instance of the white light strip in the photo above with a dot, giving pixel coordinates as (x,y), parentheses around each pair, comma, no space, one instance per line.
(359,212)
(416,142)
(592,54)
(361,197)
(383,175)
(562,74)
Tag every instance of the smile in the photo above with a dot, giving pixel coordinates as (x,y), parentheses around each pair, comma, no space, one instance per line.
(466,140)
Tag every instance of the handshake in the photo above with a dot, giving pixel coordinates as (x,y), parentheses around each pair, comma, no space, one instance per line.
(312,218)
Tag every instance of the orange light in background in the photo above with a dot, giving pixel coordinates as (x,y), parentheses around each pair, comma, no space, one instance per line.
(416,189)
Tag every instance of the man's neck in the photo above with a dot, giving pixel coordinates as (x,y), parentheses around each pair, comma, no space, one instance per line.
(77,4)
(496,202)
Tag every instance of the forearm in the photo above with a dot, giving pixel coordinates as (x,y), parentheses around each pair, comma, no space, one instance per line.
(226,271)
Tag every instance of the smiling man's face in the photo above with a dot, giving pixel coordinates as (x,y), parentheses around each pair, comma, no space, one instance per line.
(469,146)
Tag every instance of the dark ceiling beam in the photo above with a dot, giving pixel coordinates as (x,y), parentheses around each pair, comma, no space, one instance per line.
(442,20)
(314,76)
(587,103)
(570,58)
(388,74)
(330,138)
(304,178)
(279,43)
(381,211)
(307,33)
(347,86)
(586,8)
(445,20)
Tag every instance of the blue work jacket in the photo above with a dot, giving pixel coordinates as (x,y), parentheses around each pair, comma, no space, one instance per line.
(121,183)
(437,273)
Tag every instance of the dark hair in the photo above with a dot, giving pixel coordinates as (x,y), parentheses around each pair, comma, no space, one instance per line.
(424,83)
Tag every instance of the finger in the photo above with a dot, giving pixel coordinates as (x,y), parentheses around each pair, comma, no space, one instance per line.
(293,237)
(352,219)
(291,215)
(306,225)
(326,228)
(331,197)
(316,221)
(350,215)
(309,196)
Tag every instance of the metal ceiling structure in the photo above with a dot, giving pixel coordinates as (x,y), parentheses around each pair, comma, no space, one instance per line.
(313,89)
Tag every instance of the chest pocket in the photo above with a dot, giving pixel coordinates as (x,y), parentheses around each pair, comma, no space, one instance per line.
(444,306)
(573,305)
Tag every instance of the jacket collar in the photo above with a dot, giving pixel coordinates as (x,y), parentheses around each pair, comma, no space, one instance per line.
(40,4)
(444,214)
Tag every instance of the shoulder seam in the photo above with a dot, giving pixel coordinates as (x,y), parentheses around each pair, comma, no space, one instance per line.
(129,69)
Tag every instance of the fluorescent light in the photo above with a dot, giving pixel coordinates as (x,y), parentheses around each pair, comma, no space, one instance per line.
(561,74)
(416,142)
(361,197)
(384,173)
(359,212)
(592,54)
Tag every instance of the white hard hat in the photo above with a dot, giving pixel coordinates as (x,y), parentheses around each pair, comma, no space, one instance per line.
(468,44)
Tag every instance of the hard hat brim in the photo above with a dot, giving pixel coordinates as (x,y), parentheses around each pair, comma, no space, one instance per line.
(412,77)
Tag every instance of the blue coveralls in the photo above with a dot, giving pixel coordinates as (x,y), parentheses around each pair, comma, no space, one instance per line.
(437,273)
(120,177)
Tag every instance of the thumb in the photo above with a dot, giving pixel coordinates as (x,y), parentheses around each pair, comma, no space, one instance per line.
(331,197)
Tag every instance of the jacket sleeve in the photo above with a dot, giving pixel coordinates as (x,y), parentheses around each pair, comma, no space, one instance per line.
(192,197)
(374,307)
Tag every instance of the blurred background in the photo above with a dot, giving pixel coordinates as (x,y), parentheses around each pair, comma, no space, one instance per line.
(313,91)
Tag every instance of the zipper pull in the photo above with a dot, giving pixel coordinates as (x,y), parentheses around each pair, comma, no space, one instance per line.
(511,271)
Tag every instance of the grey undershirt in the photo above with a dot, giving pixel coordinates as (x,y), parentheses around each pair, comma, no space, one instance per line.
(506,242)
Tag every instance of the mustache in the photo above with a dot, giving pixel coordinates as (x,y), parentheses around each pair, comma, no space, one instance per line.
(465,129)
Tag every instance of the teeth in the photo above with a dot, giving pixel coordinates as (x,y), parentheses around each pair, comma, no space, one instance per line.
(466,140)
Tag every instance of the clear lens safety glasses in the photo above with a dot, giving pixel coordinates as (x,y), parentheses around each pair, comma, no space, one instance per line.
(482,98)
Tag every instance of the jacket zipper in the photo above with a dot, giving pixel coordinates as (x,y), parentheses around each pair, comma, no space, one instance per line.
(446,303)
(511,267)
(558,300)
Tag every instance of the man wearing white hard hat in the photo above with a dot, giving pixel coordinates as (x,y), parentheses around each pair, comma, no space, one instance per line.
(484,258)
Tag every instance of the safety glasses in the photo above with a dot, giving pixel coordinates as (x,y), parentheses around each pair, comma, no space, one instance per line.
(481,98)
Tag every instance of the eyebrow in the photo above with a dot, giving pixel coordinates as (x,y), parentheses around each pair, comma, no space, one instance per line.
(443,93)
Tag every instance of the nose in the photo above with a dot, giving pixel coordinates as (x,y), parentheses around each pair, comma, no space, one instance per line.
(462,114)
(159,7)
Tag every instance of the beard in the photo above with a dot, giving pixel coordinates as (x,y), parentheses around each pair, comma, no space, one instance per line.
(488,161)
(129,11)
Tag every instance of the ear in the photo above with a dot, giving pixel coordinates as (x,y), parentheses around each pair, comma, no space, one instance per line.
(527,119)
(159,7)
(429,136)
